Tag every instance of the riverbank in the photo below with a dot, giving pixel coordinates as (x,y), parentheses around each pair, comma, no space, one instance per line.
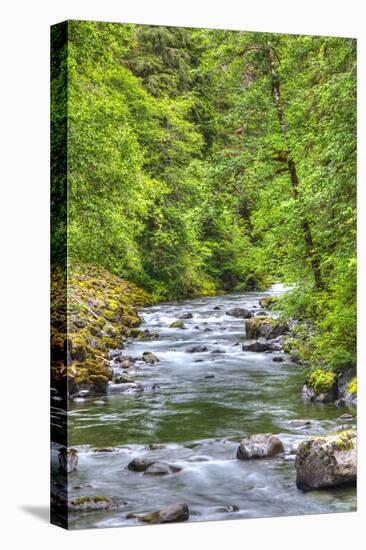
(92,313)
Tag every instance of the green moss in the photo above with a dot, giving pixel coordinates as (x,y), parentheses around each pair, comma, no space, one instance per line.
(177,324)
(80,501)
(321,381)
(352,386)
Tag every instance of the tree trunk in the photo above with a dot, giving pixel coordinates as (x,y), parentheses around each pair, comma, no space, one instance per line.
(291,166)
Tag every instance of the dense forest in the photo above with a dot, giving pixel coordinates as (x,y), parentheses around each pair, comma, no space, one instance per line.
(202,161)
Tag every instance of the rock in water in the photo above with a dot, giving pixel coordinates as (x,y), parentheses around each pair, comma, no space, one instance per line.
(149,357)
(328,461)
(197,349)
(259,446)
(94,504)
(139,464)
(256,345)
(177,324)
(264,327)
(169,514)
(240,313)
(161,469)
(186,315)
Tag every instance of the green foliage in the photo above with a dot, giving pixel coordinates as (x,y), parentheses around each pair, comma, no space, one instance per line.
(179,166)
(352,386)
(321,381)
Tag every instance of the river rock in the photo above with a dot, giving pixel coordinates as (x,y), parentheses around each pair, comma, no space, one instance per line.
(139,464)
(266,301)
(161,468)
(150,358)
(177,324)
(216,308)
(278,359)
(197,349)
(345,396)
(123,379)
(264,327)
(310,394)
(256,345)
(168,514)
(123,387)
(259,446)
(147,335)
(239,312)
(186,315)
(328,461)
(94,504)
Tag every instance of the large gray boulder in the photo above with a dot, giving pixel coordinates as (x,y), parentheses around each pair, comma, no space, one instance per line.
(264,327)
(329,461)
(259,446)
(150,357)
(256,345)
(168,514)
(240,313)
(162,468)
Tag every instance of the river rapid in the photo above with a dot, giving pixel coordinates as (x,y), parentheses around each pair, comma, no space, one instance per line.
(205,404)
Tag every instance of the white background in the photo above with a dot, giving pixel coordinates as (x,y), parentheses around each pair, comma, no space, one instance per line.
(24,217)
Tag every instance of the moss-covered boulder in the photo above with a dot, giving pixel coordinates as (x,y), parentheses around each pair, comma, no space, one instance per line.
(168,514)
(264,327)
(321,385)
(347,388)
(92,312)
(94,504)
(177,324)
(267,301)
(328,461)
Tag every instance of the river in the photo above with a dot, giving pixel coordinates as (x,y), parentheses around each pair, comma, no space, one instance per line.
(206,402)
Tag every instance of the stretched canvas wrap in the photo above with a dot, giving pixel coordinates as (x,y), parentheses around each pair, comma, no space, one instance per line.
(203,310)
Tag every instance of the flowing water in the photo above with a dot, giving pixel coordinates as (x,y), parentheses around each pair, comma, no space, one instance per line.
(205,404)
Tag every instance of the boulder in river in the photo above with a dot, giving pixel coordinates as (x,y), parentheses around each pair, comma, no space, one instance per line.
(139,464)
(347,388)
(264,327)
(197,349)
(267,301)
(320,386)
(168,514)
(186,315)
(152,467)
(256,345)
(239,312)
(94,504)
(147,335)
(328,461)
(177,324)
(259,446)
(161,468)
(150,357)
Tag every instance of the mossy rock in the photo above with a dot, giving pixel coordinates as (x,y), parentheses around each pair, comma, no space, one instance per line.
(264,327)
(321,381)
(177,324)
(352,386)
(92,312)
(327,461)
